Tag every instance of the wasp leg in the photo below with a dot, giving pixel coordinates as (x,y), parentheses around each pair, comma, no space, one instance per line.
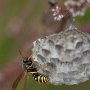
(32,61)
(15,83)
(39,70)
(25,81)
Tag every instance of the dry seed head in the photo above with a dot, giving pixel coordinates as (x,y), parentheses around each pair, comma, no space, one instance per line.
(67,55)
(57,15)
(76,7)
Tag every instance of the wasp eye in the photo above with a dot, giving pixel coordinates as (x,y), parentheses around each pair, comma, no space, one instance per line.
(25,60)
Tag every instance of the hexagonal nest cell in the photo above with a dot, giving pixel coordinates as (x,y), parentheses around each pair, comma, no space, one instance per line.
(66,54)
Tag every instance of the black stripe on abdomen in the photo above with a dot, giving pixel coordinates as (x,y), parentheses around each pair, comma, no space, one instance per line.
(39,78)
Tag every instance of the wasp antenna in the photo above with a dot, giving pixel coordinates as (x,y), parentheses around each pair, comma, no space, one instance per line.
(20,53)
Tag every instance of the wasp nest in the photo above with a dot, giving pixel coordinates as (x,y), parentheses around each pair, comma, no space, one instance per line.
(67,55)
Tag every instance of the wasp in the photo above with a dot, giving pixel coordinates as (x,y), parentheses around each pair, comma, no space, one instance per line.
(29,68)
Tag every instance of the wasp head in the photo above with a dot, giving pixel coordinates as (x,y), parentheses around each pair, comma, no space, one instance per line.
(27,62)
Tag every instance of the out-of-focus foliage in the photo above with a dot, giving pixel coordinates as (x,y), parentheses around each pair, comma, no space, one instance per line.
(17,19)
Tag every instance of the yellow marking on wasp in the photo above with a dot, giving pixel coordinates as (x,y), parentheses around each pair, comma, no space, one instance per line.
(45,79)
(35,79)
(42,80)
(39,77)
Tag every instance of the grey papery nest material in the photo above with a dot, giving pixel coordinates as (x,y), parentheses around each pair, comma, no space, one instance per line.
(67,55)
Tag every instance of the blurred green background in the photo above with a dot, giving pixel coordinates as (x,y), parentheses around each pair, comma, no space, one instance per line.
(16,19)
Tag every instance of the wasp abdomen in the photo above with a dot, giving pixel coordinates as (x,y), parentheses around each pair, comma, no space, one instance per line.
(40,78)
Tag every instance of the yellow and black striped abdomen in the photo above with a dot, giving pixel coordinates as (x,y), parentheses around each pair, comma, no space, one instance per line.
(40,78)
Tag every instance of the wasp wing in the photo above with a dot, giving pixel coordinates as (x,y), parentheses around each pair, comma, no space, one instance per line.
(17,80)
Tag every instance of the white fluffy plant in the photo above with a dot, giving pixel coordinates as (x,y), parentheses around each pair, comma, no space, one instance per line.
(66,54)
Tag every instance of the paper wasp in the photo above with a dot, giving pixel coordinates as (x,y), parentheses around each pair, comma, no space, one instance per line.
(29,68)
